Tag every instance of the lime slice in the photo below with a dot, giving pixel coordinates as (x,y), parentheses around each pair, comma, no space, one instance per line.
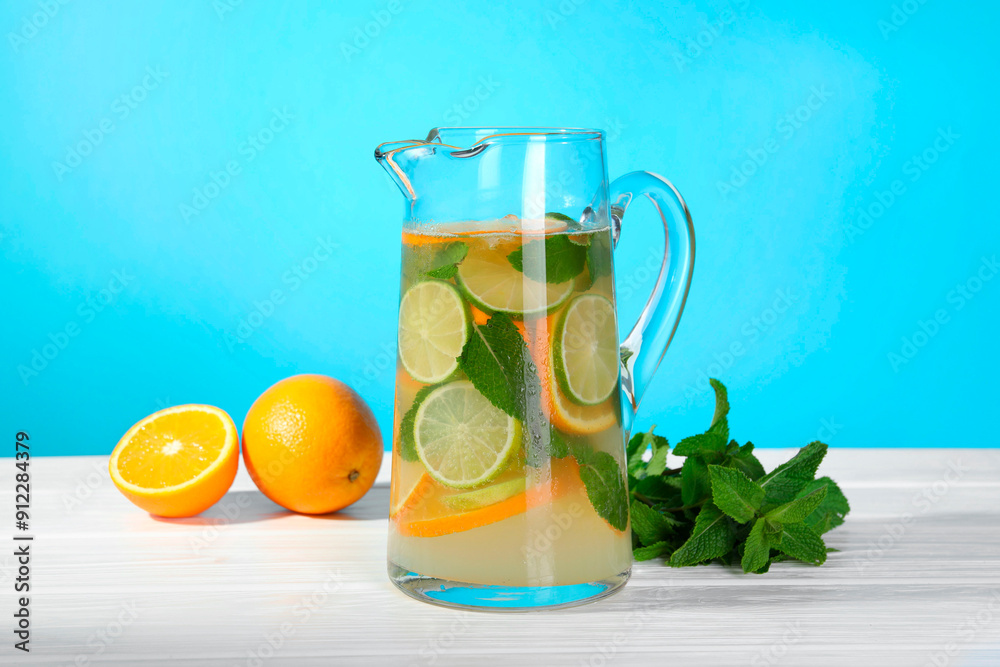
(461,438)
(491,283)
(486,496)
(433,328)
(586,350)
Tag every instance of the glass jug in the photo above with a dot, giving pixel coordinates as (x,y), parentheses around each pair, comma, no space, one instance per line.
(513,395)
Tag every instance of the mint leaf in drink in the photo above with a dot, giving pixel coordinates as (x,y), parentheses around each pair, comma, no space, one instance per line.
(784,482)
(802,543)
(407,448)
(555,259)
(599,254)
(797,510)
(738,496)
(444,264)
(831,511)
(555,215)
(712,537)
(602,477)
(497,362)
(757,549)
(433,260)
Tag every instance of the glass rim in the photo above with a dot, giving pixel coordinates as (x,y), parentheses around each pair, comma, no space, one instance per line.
(491,134)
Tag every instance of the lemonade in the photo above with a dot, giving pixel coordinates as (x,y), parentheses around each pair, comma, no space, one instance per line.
(508,457)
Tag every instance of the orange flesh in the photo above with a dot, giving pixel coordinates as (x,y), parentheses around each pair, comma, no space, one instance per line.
(172,449)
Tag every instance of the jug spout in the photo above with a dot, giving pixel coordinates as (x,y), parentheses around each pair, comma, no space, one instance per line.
(398,164)
(488,173)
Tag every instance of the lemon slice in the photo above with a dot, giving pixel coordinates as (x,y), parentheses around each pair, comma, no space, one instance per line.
(461,438)
(586,350)
(492,284)
(433,329)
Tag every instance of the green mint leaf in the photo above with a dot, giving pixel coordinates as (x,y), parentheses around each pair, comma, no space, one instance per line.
(757,549)
(658,461)
(444,263)
(720,423)
(434,260)
(735,494)
(497,362)
(563,259)
(559,446)
(708,444)
(662,490)
(602,477)
(651,552)
(445,272)
(599,254)
(637,446)
(744,460)
(407,448)
(634,451)
(562,217)
(649,525)
(831,511)
(802,543)
(797,510)
(694,481)
(784,482)
(713,536)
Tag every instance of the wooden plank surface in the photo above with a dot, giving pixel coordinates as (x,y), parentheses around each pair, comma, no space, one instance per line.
(916,582)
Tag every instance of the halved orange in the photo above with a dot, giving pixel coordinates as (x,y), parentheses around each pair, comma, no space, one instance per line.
(177,462)
(423,514)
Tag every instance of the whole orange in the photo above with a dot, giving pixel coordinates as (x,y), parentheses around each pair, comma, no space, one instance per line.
(311,444)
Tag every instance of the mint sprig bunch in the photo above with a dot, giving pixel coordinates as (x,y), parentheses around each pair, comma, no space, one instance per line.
(722,505)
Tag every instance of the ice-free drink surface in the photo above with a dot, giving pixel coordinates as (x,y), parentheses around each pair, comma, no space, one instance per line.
(508,409)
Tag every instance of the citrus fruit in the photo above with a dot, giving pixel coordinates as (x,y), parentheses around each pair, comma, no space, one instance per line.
(311,444)
(567,416)
(177,462)
(433,329)
(488,495)
(426,513)
(461,438)
(492,284)
(586,350)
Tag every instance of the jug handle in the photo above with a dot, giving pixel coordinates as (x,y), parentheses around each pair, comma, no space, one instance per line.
(646,344)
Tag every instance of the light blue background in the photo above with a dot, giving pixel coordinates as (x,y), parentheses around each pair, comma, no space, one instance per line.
(684,89)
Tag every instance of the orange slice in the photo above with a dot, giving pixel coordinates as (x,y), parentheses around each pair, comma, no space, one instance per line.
(447,232)
(564,414)
(423,514)
(177,462)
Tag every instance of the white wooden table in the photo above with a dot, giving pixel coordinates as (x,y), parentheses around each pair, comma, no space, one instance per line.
(916,582)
